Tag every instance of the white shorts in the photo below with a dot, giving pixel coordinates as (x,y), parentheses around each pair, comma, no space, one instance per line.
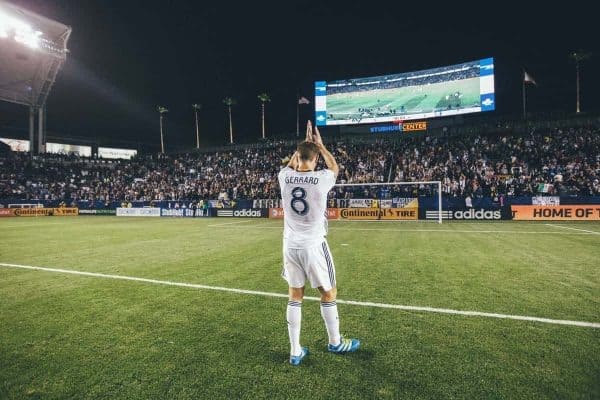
(314,264)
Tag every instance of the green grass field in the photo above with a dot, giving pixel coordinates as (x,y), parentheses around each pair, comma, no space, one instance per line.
(415,99)
(65,336)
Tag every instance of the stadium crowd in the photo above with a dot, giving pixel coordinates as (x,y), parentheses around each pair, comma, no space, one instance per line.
(553,162)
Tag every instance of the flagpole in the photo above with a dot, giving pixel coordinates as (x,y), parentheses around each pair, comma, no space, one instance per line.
(524,102)
(297,116)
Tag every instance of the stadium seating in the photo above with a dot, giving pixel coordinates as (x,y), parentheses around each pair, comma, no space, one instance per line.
(552,161)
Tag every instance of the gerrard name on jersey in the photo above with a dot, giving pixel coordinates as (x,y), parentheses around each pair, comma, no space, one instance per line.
(302,179)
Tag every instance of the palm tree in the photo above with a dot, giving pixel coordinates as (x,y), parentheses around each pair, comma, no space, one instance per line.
(197,108)
(228,101)
(264,98)
(579,56)
(162,110)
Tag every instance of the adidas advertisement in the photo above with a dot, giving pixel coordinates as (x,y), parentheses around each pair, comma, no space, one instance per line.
(470,214)
(244,212)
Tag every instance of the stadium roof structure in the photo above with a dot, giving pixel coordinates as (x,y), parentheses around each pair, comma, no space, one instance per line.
(33,49)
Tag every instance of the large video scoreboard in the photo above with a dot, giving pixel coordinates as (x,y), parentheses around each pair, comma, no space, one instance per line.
(456,89)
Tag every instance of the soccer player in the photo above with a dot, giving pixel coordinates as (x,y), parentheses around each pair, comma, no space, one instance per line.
(306,255)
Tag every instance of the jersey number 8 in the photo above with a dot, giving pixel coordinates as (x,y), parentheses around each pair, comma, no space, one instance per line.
(299,196)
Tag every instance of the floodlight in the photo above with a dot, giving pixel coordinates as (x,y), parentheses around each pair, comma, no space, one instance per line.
(33,49)
(21,31)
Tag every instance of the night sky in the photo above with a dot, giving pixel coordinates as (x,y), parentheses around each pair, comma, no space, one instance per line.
(127,57)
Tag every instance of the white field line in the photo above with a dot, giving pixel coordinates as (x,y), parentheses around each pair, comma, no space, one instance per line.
(333,228)
(230,223)
(573,229)
(584,324)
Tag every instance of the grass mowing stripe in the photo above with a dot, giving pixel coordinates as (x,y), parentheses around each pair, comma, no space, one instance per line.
(584,324)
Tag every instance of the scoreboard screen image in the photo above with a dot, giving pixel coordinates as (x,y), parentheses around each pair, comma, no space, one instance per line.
(456,89)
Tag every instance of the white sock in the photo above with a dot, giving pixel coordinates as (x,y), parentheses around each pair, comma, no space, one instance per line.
(294,320)
(329,312)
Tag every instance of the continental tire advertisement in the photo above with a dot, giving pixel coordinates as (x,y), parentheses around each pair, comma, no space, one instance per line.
(350,214)
(556,213)
(397,214)
(39,212)
(65,212)
(33,212)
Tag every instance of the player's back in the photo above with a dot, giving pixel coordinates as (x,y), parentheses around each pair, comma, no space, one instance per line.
(304,197)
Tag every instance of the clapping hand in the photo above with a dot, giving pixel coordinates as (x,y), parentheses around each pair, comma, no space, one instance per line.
(309,131)
(313,136)
(317,137)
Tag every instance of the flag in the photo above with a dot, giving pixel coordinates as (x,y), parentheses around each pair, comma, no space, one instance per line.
(303,100)
(528,78)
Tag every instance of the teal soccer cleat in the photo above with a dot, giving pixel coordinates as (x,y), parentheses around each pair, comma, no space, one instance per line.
(345,346)
(296,360)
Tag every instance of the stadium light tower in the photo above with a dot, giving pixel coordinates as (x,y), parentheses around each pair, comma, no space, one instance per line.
(264,98)
(578,57)
(162,111)
(228,101)
(197,108)
(33,49)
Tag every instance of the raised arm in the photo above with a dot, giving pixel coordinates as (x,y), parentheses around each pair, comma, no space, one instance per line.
(295,159)
(326,154)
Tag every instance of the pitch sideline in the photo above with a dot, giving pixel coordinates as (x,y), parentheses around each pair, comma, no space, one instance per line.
(595,325)
(574,229)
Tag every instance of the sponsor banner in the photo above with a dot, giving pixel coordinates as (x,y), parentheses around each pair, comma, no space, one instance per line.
(97,212)
(545,201)
(407,213)
(7,212)
(276,213)
(244,212)
(469,214)
(401,202)
(360,203)
(332,213)
(65,211)
(400,126)
(184,212)
(138,212)
(38,212)
(32,212)
(110,152)
(556,213)
(225,213)
(434,215)
(397,202)
(386,204)
(414,126)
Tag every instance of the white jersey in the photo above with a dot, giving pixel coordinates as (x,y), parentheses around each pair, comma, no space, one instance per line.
(304,197)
